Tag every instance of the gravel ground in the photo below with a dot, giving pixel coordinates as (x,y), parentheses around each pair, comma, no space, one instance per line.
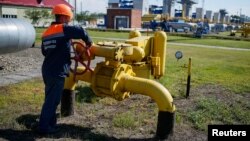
(21,61)
(21,65)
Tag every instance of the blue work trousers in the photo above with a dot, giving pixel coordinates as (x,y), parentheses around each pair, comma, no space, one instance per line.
(53,91)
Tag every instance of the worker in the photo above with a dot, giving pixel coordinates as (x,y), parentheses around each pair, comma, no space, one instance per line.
(153,25)
(56,42)
(164,25)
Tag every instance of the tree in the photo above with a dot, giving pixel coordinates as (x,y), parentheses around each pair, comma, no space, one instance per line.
(235,19)
(86,16)
(223,13)
(34,15)
(37,15)
(45,15)
(83,16)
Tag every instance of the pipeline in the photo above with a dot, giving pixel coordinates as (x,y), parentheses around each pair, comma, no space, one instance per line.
(115,77)
(128,83)
(150,88)
(162,97)
(15,35)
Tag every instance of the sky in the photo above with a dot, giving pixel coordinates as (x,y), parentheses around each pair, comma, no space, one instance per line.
(233,7)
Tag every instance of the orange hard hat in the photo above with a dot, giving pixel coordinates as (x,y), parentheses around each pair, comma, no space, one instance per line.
(62,9)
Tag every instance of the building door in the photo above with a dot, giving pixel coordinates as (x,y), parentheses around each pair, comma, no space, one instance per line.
(121,22)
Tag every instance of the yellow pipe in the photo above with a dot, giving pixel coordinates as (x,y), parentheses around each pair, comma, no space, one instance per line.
(134,33)
(70,82)
(107,52)
(159,50)
(137,56)
(150,88)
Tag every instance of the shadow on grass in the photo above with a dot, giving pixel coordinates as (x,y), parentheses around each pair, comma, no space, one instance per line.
(67,131)
(85,94)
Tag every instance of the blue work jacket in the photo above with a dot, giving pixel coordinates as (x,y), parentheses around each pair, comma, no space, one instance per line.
(56,42)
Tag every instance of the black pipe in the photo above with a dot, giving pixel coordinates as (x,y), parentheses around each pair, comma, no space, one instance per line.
(189,78)
(67,103)
(165,125)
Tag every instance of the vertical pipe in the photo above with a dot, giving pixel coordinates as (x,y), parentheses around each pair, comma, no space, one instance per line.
(159,50)
(188,78)
(67,102)
(68,95)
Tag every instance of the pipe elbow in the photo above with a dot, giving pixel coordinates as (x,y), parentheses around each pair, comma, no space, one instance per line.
(150,88)
(137,56)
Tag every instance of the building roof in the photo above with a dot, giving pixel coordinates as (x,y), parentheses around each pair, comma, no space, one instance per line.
(34,3)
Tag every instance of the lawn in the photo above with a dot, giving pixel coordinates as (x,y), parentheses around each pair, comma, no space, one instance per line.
(171,38)
(209,66)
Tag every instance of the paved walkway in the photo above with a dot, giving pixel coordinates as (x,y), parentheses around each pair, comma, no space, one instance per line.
(21,76)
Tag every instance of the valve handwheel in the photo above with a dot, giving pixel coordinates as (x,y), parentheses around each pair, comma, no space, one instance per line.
(81,55)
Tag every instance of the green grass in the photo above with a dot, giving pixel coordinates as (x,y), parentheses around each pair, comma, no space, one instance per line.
(85,94)
(171,38)
(26,97)
(211,111)
(209,66)
(39,32)
(124,120)
(223,68)
(122,35)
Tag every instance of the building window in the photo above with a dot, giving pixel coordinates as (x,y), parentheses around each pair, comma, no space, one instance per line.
(9,16)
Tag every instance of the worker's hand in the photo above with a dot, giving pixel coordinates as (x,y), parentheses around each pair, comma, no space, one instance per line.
(79,48)
(89,44)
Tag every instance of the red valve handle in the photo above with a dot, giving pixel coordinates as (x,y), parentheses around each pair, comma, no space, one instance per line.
(81,55)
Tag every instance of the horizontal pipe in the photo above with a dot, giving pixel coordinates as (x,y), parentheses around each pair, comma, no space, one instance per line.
(107,52)
(150,88)
(15,35)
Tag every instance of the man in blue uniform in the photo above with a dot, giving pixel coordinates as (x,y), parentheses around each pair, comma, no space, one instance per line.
(56,50)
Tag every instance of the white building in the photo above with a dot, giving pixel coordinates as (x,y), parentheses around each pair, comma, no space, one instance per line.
(209,15)
(141,5)
(216,17)
(199,13)
(168,8)
(227,19)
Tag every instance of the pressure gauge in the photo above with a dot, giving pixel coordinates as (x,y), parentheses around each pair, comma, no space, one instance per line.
(178,55)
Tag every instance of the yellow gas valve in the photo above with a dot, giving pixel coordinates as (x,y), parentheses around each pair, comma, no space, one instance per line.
(106,79)
(140,56)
